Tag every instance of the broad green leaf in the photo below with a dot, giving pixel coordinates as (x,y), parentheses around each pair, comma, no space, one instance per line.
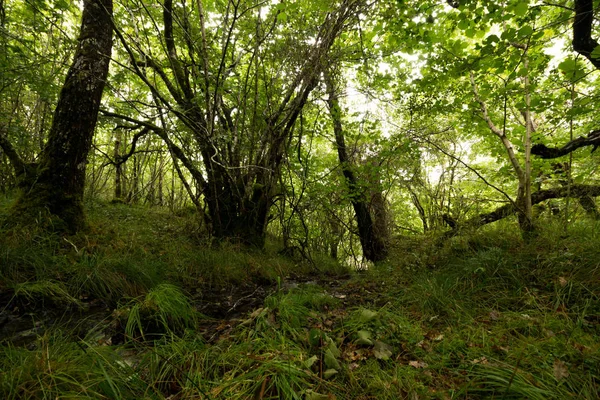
(521,9)
(329,373)
(364,338)
(310,362)
(367,315)
(382,351)
(314,337)
(330,360)
(333,348)
(310,395)
(525,31)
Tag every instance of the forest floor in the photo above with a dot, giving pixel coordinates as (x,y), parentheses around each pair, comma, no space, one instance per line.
(139,307)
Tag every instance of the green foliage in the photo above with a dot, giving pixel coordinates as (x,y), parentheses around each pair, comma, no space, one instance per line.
(165,305)
(58,367)
(55,292)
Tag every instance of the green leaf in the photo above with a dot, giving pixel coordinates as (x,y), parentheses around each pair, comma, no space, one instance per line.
(282,17)
(525,31)
(310,395)
(333,348)
(310,362)
(382,350)
(492,39)
(364,338)
(596,52)
(521,9)
(314,337)
(367,315)
(329,373)
(509,34)
(330,360)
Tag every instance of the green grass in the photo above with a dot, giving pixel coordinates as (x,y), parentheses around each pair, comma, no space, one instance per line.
(482,316)
(129,250)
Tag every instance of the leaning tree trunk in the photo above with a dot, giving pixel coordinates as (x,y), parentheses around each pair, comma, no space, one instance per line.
(373,246)
(56,184)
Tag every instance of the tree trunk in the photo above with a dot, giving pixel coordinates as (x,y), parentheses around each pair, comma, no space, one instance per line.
(373,246)
(242,219)
(58,183)
(118,168)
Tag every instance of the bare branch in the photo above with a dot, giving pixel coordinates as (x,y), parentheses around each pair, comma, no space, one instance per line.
(542,151)
(505,141)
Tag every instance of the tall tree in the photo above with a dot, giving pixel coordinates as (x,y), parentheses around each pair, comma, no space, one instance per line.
(236,92)
(55,184)
(373,244)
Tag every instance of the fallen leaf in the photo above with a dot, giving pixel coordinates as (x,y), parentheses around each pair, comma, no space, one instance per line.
(480,360)
(560,370)
(562,281)
(418,364)
(494,315)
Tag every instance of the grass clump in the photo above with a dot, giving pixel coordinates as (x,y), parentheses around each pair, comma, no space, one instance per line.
(41,291)
(165,308)
(61,368)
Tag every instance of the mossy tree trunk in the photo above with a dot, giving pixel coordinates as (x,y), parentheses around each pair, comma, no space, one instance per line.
(54,187)
(373,244)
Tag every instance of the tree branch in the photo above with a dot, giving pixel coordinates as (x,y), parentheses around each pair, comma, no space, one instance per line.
(576,191)
(542,151)
(11,153)
(123,158)
(508,146)
(173,148)
(583,43)
(178,71)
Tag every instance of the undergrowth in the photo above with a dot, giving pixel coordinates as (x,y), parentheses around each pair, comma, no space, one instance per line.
(127,251)
(482,315)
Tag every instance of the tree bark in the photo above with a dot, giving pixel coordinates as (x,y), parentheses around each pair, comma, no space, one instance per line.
(58,183)
(118,167)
